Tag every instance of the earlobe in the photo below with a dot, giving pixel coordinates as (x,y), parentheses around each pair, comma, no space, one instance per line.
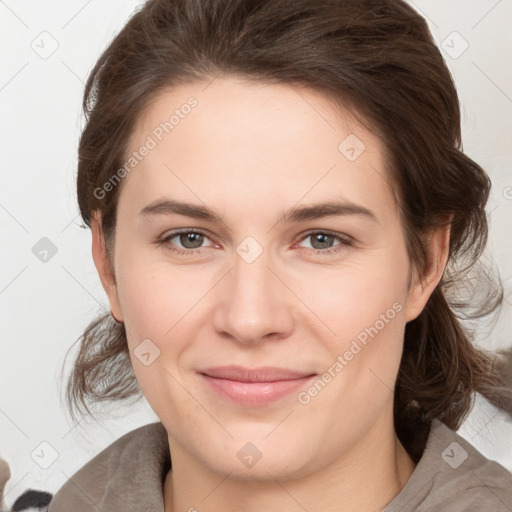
(438,253)
(101,262)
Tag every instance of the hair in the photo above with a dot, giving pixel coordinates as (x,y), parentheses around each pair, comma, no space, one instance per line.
(376,59)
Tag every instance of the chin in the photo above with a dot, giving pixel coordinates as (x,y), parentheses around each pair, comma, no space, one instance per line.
(260,459)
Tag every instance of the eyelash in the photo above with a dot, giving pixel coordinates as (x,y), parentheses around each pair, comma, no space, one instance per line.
(345,242)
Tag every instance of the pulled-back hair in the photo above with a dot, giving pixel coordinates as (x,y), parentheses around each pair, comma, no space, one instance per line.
(376,59)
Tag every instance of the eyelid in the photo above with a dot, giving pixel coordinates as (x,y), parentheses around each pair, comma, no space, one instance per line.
(176,232)
(205,233)
(345,238)
(345,241)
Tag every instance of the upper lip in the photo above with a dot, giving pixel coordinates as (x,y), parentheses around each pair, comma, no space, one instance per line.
(262,374)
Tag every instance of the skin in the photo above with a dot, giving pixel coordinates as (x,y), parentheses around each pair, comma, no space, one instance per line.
(249,151)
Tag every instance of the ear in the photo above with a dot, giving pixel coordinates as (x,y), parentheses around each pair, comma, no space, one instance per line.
(102,264)
(437,256)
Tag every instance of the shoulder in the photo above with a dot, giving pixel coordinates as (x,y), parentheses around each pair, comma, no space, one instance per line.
(131,463)
(454,476)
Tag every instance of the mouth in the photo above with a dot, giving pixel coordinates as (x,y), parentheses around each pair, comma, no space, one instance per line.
(254,386)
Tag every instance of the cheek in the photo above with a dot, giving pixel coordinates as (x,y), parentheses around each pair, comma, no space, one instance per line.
(357,296)
(153,295)
(362,311)
(156,304)
(162,303)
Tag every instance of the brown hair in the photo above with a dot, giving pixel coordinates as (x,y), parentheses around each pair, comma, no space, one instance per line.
(377,59)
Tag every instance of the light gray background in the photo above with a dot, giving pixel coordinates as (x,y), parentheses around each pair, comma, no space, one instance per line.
(44,307)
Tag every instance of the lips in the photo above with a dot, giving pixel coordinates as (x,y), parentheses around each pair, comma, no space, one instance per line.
(263,374)
(253,386)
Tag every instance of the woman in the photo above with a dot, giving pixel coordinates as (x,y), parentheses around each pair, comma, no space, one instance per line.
(280,209)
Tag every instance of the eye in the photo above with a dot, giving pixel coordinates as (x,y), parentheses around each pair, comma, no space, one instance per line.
(190,240)
(322,242)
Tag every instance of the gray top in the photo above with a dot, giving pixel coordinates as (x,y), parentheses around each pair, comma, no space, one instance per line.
(128,476)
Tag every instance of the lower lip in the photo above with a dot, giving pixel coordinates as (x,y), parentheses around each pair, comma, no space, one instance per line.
(254,393)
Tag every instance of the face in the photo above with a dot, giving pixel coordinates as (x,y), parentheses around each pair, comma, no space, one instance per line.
(255,273)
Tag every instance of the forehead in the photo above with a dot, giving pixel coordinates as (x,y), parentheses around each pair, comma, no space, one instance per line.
(232,139)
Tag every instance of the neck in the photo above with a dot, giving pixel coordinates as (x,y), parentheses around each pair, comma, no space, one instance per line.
(365,479)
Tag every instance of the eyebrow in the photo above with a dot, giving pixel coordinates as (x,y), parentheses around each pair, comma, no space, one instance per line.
(302,213)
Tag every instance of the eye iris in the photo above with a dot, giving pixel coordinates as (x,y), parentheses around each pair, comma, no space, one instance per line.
(324,239)
(195,238)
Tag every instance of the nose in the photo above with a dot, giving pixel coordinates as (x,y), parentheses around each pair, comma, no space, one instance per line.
(253,302)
